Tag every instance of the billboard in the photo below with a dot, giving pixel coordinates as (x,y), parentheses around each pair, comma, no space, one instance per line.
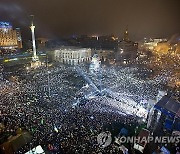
(5,24)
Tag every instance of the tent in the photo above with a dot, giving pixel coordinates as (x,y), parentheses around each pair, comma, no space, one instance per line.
(123,131)
(36,150)
(15,142)
(169,106)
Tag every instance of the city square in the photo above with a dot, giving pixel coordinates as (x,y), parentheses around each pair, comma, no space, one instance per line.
(83,91)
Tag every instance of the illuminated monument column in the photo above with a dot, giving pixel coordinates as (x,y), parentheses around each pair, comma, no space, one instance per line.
(35,57)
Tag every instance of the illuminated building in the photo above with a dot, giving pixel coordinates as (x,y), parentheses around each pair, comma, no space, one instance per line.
(162,48)
(72,55)
(127,50)
(150,44)
(106,56)
(19,38)
(9,38)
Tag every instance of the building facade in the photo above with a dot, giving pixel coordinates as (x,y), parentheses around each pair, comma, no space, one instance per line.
(19,38)
(152,43)
(72,55)
(127,50)
(9,38)
(106,56)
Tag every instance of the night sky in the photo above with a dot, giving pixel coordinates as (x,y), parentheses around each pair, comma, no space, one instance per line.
(60,18)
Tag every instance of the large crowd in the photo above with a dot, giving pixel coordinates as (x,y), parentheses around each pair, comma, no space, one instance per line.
(42,104)
(128,82)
